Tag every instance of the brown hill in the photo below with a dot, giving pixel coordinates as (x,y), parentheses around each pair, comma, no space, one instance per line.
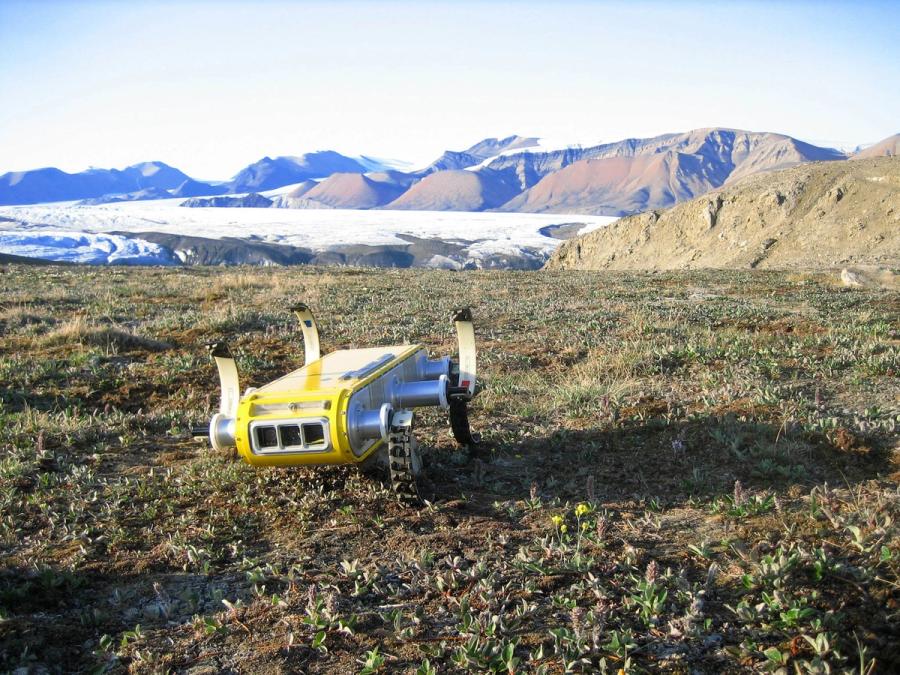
(889,147)
(353,191)
(456,191)
(817,215)
(638,174)
(611,186)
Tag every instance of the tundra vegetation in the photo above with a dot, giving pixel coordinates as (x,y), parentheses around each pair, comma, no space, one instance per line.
(681,472)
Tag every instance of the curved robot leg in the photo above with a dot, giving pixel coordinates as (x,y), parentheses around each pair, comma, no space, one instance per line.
(462,379)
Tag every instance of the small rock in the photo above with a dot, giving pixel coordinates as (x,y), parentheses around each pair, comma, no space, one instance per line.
(869,276)
(712,641)
(850,278)
(204,669)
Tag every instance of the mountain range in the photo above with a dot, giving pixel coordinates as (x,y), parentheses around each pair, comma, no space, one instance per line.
(515,173)
(54,185)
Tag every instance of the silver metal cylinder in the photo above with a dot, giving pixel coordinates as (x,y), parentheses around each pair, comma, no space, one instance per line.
(221,431)
(433,369)
(422,393)
(364,425)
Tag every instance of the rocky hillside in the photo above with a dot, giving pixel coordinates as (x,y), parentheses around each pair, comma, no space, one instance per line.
(817,215)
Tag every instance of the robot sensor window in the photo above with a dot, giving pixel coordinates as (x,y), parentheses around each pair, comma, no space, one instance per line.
(314,435)
(270,438)
(266,437)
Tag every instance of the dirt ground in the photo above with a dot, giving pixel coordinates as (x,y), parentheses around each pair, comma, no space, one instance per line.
(680,472)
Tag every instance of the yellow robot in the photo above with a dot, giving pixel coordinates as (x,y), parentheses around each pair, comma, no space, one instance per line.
(345,407)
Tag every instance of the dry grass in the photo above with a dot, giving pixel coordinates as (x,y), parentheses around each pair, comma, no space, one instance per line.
(82,331)
(21,316)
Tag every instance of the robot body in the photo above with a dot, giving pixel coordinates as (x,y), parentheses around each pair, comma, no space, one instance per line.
(344,407)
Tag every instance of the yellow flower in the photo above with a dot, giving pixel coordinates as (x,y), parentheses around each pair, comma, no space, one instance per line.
(564,528)
(582,509)
(557,520)
(584,527)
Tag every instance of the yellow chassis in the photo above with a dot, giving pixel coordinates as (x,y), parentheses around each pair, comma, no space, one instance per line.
(304,388)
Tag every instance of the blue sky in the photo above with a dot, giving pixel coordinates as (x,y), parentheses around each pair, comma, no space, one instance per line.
(212,86)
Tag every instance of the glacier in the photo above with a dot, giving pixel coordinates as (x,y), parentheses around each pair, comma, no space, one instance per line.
(82,233)
(82,247)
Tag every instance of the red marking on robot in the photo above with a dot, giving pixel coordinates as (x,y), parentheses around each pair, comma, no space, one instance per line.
(464,383)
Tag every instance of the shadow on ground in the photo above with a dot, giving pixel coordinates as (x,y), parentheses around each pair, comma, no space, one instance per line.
(655,461)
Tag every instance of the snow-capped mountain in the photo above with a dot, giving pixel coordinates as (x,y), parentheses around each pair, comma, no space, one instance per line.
(269,173)
(489,147)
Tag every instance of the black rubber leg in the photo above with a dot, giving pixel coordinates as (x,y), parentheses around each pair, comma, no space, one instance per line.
(459,423)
